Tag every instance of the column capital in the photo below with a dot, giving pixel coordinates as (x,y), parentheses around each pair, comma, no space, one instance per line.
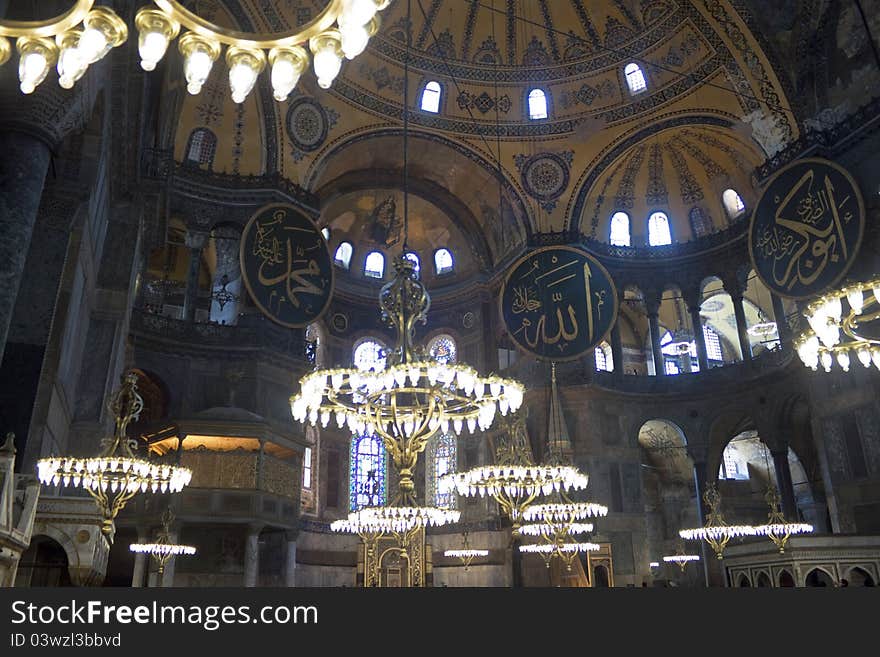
(735,283)
(693,297)
(652,302)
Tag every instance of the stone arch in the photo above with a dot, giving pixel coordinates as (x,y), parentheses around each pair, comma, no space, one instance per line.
(785,579)
(743,581)
(818,577)
(859,576)
(763,580)
(33,563)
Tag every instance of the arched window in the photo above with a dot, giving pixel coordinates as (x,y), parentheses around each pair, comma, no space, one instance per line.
(658,230)
(374,266)
(604,358)
(368,355)
(443,262)
(367,485)
(343,254)
(431,97)
(201,147)
(733,203)
(443,349)
(713,344)
(635,79)
(701,223)
(442,460)
(537,104)
(414,258)
(620,235)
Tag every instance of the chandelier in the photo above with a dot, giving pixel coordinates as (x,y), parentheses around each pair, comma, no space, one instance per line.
(835,336)
(565,550)
(466,553)
(116,475)
(763,330)
(341,30)
(777,528)
(163,549)
(716,532)
(680,558)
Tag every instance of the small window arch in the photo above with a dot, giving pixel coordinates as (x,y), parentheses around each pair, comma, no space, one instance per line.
(443,349)
(733,203)
(713,344)
(431,97)
(537,104)
(201,147)
(443,453)
(367,487)
(343,254)
(369,354)
(635,78)
(658,229)
(620,233)
(413,257)
(604,358)
(374,265)
(701,223)
(443,262)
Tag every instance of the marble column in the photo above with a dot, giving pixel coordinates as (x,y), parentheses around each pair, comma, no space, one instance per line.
(699,338)
(654,325)
(23,169)
(290,563)
(742,327)
(617,350)
(196,242)
(252,557)
(781,321)
(140,561)
(786,487)
(700,483)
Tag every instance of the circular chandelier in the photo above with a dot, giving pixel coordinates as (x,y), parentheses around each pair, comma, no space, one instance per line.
(564,512)
(566,550)
(116,475)
(547,528)
(412,396)
(394,519)
(763,330)
(716,532)
(466,553)
(681,560)
(340,31)
(777,529)
(163,549)
(833,336)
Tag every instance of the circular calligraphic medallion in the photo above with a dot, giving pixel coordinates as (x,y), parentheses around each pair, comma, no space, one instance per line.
(306,124)
(558,302)
(807,228)
(286,266)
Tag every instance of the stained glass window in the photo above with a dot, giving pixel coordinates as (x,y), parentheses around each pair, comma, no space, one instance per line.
(635,78)
(431,97)
(604,358)
(369,355)
(701,223)
(658,230)
(713,344)
(443,262)
(443,454)
(367,472)
(443,349)
(537,104)
(343,255)
(620,235)
(202,146)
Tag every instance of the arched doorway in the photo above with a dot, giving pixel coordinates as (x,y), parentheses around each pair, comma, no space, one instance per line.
(818,578)
(744,581)
(120,562)
(859,577)
(600,577)
(44,563)
(764,580)
(786,581)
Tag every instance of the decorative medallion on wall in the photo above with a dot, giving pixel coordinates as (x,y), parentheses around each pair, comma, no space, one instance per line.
(545,176)
(558,302)
(307,125)
(286,265)
(467,320)
(339,323)
(807,228)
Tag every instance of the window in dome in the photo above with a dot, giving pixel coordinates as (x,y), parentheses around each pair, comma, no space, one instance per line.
(367,484)
(620,235)
(374,266)
(658,230)
(701,223)
(343,254)
(604,358)
(441,461)
(369,354)
(201,148)
(537,104)
(431,97)
(443,349)
(443,262)
(733,203)
(635,78)
(414,258)
(713,344)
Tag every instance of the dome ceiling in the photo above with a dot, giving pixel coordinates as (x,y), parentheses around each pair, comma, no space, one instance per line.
(706,77)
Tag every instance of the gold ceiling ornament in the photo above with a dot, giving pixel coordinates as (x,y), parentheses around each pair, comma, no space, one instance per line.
(340,31)
(116,475)
(716,532)
(163,549)
(73,40)
(777,528)
(466,553)
(412,396)
(680,558)
(833,336)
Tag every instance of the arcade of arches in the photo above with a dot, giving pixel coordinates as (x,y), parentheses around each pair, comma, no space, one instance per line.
(643,131)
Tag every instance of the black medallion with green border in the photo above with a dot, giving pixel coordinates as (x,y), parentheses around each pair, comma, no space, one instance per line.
(558,302)
(807,228)
(286,265)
